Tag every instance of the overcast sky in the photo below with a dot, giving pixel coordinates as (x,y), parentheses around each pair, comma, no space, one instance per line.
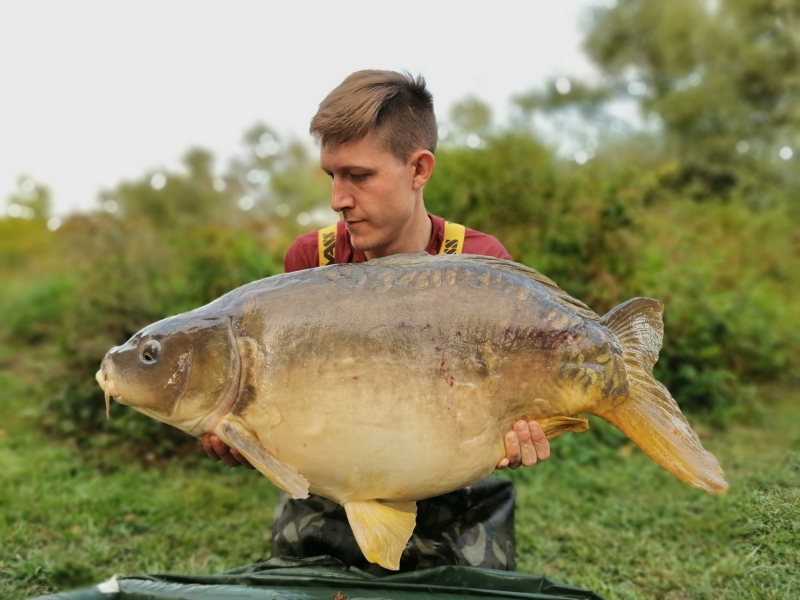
(95,92)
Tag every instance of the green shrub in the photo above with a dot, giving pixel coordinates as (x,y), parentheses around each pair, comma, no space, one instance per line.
(607,232)
(129,276)
(604,231)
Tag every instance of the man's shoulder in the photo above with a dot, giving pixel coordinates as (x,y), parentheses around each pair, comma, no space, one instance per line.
(477,242)
(303,253)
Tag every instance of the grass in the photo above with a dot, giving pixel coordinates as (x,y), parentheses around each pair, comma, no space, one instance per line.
(610,520)
(603,517)
(619,525)
(66,522)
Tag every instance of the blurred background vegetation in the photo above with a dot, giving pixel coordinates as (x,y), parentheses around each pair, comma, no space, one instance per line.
(697,206)
(693,200)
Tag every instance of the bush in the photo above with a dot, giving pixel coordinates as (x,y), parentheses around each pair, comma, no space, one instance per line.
(604,231)
(607,232)
(129,276)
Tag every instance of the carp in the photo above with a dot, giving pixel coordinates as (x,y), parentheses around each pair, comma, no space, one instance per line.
(383,383)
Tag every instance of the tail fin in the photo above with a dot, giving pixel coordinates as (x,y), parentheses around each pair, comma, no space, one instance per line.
(649,415)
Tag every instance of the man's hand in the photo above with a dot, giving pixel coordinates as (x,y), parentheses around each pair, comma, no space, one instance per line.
(218,450)
(525,445)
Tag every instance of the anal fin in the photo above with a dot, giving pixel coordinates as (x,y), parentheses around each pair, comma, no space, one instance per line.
(382,529)
(555,426)
(281,474)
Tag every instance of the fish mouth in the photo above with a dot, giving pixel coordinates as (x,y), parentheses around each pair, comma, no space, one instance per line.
(105,380)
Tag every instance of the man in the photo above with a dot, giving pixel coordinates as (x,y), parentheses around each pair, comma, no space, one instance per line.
(378,135)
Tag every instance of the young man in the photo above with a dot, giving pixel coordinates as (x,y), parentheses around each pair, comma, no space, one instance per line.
(378,135)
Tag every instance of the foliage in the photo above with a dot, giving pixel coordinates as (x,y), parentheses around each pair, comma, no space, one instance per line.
(30,201)
(131,275)
(682,212)
(604,231)
(166,243)
(608,232)
(715,76)
(24,244)
(715,83)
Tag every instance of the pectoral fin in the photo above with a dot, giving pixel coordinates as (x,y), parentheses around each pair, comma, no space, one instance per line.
(555,426)
(382,529)
(284,476)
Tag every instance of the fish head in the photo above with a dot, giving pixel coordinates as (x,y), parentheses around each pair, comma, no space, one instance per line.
(179,371)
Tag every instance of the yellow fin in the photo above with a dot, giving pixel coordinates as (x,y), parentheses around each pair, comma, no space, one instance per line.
(382,529)
(649,415)
(555,426)
(283,475)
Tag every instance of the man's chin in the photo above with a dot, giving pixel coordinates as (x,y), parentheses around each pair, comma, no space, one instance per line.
(360,245)
(361,242)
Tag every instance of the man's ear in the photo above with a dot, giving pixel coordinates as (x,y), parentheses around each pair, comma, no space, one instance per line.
(423,163)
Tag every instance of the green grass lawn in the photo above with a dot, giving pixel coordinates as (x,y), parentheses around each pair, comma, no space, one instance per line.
(605,518)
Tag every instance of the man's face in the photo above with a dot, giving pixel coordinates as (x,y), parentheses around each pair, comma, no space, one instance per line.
(373,190)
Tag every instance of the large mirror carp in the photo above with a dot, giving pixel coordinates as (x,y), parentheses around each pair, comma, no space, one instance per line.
(387,382)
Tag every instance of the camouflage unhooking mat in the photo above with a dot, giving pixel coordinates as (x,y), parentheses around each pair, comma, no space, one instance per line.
(327,578)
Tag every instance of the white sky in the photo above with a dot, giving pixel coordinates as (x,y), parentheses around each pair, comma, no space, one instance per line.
(94,92)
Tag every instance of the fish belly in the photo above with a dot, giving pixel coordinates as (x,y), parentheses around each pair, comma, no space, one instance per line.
(376,431)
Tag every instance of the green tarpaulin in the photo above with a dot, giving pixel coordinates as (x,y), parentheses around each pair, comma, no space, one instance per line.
(325,578)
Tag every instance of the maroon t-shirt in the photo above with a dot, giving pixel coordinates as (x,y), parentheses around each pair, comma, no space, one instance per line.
(304,251)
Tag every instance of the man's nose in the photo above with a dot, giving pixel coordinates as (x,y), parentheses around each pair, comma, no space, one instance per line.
(341,196)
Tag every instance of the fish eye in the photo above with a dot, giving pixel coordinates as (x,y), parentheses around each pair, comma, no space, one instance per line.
(150,352)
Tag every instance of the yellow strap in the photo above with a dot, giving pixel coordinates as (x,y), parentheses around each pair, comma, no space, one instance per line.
(453,242)
(326,243)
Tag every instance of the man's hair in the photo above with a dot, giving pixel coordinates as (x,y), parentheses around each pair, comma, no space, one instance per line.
(395,106)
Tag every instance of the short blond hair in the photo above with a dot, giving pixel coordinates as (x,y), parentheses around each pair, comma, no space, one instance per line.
(397,107)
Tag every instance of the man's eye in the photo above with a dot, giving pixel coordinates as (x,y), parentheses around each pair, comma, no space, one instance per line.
(359,177)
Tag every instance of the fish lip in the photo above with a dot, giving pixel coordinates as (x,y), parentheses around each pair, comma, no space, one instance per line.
(209,423)
(107,384)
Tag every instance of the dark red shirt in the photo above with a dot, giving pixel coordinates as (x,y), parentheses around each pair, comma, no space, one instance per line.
(304,251)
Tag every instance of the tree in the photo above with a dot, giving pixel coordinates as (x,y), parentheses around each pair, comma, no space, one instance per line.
(720,84)
(30,201)
(174,200)
(714,76)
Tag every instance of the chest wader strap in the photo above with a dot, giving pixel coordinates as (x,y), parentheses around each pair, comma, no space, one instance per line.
(453,242)
(326,242)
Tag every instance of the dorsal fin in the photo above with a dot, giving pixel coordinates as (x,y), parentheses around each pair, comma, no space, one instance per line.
(639,327)
(419,259)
